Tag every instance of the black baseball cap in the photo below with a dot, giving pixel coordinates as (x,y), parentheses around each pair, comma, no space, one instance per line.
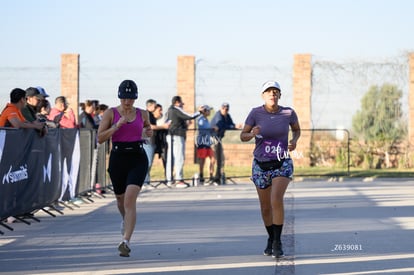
(128,89)
(32,91)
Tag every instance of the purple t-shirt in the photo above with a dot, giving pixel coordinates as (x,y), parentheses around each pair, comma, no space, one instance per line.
(274,129)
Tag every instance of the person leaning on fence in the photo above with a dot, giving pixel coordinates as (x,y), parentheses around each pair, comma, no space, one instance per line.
(11,116)
(272,167)
(203,143)
(44,108)
(62,114)
(125,125)
(44,112)
(32,107)
(30,111)
(176,140)
(221,122)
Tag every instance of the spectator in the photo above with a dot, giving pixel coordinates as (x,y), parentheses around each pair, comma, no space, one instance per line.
(154,116)
(150,105)
(176,140)
(204,142)
(272,170)
(100,110)
(160,135)
(32,107)
(221,122)
(62,114)
(95,103)
(44,108)
(11,116)
(44,113)
(149,145)
(125,125)
(86,117)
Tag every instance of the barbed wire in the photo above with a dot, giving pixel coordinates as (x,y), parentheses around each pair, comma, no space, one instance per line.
(337,86)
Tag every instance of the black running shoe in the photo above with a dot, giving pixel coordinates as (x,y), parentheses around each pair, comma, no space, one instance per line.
(268,249)
(277,250)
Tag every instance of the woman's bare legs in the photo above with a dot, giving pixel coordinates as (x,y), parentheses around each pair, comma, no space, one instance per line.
(127,203)
(272,210)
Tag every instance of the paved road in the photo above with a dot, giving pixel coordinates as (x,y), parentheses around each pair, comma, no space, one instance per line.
(349,227)
(354,227)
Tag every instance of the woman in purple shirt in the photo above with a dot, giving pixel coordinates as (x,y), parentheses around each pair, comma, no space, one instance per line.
(128,162)
(272,167)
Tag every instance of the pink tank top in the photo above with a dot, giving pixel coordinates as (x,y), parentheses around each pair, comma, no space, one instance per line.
(129,132)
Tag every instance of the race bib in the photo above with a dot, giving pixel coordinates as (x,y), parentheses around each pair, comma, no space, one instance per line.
(273,149)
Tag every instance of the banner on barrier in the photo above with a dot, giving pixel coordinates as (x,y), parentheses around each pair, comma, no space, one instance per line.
(32,168)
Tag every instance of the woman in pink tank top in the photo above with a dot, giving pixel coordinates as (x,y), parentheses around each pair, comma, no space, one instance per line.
(125,125)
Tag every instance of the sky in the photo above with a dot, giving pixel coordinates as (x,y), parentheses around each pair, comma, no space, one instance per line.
(119,32)
(152,33)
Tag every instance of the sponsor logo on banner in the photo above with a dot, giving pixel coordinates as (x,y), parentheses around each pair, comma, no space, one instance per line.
(16,176)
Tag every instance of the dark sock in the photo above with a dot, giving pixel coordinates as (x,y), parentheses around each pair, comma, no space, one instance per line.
(269,230)
(277,231)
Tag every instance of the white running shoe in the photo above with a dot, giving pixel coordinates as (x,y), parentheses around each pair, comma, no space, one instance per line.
(123,249)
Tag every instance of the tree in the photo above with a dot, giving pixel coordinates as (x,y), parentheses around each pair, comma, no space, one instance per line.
(379,123)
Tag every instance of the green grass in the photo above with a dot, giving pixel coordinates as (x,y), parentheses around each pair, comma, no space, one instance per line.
(354,172)
(157,172)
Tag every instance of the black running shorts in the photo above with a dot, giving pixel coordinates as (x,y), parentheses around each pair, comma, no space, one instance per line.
(127,168)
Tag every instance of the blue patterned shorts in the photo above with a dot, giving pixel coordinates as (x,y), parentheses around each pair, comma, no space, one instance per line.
(263,179)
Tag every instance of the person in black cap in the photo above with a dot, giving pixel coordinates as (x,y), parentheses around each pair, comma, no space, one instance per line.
(32,108)
(33,100)
(125,126)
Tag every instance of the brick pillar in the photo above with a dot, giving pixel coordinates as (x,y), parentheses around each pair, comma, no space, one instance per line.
(186,89)
(302,91)
(411,100)
(69,83)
